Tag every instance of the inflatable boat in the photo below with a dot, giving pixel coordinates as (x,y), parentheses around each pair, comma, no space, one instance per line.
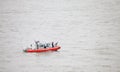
(42,49)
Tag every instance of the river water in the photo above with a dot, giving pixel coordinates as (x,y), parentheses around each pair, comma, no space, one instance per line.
(88,32)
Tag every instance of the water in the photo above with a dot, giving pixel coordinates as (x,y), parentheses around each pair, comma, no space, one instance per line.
(87,30)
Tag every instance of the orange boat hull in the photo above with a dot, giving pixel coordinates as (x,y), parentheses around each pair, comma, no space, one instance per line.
(42,49)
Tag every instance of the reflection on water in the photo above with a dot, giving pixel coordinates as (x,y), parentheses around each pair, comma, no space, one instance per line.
(87,31)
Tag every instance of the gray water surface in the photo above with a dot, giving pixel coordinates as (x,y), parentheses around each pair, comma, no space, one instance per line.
(87,30)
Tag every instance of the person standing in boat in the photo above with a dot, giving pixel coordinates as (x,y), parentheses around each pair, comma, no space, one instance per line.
(37,44)
(52,44)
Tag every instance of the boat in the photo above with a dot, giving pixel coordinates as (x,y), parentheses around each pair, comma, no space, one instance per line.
(30,50)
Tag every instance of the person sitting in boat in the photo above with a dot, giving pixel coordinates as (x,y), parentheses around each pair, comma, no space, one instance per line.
(31,46)
(47,44)
(56,43)
(43,45)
